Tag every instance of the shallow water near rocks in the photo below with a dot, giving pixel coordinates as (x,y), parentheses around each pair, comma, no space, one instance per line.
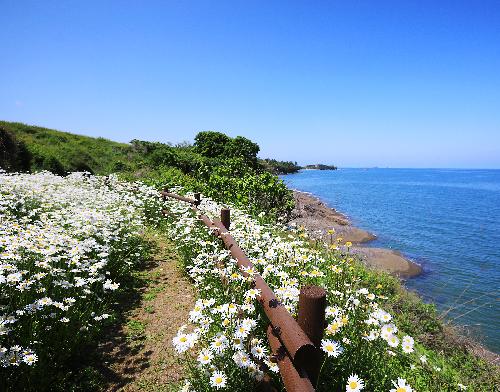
(448,220)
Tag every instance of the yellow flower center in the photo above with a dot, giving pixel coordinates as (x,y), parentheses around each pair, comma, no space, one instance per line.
(218,380)
(401,389)
(353,385)
(183,339)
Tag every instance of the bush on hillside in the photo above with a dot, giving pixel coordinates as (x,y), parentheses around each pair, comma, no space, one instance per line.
(14,156)
(236,183)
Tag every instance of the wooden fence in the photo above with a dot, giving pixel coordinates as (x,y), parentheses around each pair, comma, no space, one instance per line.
(295,344)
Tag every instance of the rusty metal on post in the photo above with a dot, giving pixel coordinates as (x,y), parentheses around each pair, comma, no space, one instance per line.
(311,318)
(225,217)
(294,382)
(298,345)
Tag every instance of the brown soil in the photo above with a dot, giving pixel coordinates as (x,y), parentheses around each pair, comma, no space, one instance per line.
(139,353)
(318,218)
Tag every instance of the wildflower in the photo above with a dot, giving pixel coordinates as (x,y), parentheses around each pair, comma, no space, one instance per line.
(423,359)
(219,344)
(401,386)
(109,285)
(205,357)
(331,348)
(393,341)
(462,387)
(388,330)
(331,311)
(333,328)
(384,316)
(30,358)
(354,383)
(407,348)
(241,359)
(259,351)
(252,293)
(182,342)
(218,379)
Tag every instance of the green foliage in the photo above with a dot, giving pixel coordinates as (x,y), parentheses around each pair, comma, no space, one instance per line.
(243,148)
(279,167)
(14,155)
(211,144)
(236,183)
(218,145)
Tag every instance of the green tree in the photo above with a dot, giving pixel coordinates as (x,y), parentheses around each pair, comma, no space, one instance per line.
(241,147)
(211,144)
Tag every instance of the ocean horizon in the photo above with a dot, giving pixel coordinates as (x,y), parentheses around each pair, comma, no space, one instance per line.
(445,219)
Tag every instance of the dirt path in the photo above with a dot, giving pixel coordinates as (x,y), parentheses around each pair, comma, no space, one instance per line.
(139,353)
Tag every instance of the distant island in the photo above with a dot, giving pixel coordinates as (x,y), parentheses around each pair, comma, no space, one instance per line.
(288,167)
(320,166)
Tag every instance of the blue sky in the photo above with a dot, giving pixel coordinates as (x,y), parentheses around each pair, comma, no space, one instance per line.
(355,83)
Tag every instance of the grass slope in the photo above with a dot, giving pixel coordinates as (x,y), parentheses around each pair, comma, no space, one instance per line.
(62,151)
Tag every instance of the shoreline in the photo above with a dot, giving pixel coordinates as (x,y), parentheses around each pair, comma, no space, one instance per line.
(318,218)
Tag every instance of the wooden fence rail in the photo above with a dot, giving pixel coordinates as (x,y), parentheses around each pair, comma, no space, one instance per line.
(295,344)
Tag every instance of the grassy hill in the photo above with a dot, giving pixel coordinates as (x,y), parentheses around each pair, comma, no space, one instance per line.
(56,151)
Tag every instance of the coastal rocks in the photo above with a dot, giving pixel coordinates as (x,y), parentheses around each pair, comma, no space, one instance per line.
(388,260)
(317,217)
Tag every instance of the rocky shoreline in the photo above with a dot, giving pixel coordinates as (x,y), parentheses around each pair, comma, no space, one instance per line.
(318,218)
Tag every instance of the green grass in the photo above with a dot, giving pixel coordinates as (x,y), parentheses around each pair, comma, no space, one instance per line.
(62,151)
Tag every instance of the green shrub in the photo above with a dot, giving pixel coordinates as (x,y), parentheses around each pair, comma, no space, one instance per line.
(14,156)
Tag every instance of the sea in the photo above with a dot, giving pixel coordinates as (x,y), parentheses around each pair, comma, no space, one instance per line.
(446,220)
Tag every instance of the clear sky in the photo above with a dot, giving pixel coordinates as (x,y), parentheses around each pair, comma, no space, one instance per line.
(354,83)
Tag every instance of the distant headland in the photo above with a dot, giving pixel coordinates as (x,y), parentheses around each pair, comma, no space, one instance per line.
(320,166)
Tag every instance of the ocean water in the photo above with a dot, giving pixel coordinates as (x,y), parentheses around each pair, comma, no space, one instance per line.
(446,220)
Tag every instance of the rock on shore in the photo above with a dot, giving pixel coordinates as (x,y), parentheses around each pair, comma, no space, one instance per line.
(318,218)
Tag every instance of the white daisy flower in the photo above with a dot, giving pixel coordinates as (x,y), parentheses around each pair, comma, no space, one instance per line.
(331,348)
(218,380)
(354,383)
(401,386)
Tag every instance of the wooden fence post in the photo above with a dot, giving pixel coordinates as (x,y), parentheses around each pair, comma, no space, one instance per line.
(225,217)
(197,199)
(311,318)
